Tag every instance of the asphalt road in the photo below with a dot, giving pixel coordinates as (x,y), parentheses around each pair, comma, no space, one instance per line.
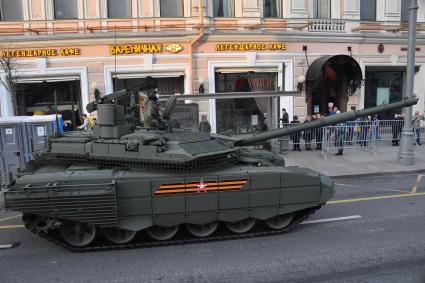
(383,242)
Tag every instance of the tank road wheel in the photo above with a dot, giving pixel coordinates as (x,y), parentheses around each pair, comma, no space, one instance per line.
(161,233)
(78,234)
(280,221)
(119,236)
(242,226)
(202,231)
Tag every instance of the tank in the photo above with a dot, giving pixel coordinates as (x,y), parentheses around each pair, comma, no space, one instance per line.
(123,183)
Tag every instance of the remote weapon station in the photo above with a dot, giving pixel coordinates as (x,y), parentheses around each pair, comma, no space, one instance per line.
(122,183)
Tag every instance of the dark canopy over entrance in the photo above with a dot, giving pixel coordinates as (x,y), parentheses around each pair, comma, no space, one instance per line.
(330,80)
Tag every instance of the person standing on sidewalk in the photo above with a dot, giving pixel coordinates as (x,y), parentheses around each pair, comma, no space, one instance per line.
(318,133)
(417,123)
(285,118)
(340,137)
(295,137)
(397,126)
(308,135)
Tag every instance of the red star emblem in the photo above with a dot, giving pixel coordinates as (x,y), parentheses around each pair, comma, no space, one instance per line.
(202,187)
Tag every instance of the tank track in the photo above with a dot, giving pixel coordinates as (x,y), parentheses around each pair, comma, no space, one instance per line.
(260,230)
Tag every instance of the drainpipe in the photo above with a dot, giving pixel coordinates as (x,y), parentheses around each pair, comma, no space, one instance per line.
(193,42)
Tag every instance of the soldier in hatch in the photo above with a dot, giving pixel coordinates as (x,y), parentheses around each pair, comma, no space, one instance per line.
(152,118)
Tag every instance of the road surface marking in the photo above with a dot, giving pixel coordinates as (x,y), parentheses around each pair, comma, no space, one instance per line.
(348,185)
(374,198)
(12,226)
(9,246)
(399,191)
(415,187)
(345,218)
(12,217)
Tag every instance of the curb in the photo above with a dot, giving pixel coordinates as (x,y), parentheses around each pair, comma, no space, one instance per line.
(377,174)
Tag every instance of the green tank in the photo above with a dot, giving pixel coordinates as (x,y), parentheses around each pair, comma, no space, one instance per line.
(122,183)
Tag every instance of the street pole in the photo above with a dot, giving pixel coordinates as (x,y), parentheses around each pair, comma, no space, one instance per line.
(406,155)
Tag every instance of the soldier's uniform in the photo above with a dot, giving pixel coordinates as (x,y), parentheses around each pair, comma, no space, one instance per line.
(151,116)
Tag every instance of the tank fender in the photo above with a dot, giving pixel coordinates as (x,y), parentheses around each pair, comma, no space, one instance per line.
(135,223)
(327,188)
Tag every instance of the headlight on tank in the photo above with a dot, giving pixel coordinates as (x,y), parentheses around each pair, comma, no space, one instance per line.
(327,188)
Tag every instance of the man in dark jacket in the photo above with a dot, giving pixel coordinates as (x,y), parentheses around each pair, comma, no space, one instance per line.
(285,117)
(295,137)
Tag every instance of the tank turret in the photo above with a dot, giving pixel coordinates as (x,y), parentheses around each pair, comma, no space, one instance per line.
(325,121)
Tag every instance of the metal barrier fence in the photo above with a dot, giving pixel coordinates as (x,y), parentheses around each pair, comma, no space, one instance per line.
(361,135)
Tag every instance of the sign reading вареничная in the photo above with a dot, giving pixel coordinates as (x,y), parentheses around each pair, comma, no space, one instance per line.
(135,48)
(40,52)
(250,46)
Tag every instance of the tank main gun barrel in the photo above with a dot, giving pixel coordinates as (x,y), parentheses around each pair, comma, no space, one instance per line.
(325,121)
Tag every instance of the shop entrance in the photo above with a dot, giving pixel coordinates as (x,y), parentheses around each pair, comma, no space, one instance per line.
(330,80)
(383,86)
(243,115)
(166,85)
(36,97)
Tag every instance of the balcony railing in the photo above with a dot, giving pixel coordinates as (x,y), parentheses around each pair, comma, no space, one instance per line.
(326,26)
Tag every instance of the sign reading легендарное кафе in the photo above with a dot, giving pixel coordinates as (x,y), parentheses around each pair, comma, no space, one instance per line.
(251,46)
(40,52)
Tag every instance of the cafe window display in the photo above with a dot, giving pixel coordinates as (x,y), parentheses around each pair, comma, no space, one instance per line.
(243,115)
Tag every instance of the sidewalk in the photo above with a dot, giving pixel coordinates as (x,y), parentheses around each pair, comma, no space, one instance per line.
(356,161)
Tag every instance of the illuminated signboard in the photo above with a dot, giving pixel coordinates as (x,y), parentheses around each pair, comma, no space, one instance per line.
(139,48)
(251,46)
(40,52)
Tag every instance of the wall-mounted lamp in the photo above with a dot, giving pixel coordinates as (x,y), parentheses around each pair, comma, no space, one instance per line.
(349,49)
(300,85)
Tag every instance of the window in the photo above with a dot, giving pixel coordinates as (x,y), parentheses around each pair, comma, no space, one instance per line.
(66,9)
(271,8)
(224,8)
(404,13)
(322,9)
(119,9)
(368,10)
(171,8)
(11,10)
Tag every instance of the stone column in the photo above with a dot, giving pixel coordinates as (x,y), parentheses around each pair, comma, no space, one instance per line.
(295,9)
(392,10)
(251,8)
(352,9)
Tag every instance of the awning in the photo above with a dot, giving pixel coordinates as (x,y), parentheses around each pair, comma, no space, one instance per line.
(123,76)
(344,62)
(35,80)
(330,68)
(231,70)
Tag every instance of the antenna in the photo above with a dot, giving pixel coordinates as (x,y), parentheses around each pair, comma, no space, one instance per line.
(56,113)
(115,57)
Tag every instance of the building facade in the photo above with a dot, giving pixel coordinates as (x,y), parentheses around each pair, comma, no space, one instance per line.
(346,53)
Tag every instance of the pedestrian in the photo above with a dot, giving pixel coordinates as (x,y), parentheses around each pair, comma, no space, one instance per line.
(350,131)
(396,127)
(340,136)
(86,123)
(375,128)
(295,137)
(318,133)
(308,134)
(285,118)
(417,123)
